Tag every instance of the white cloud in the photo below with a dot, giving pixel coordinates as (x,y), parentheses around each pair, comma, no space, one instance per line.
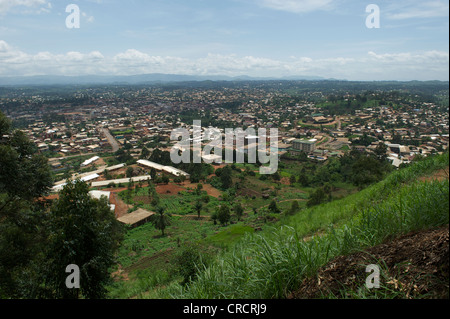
(6,5)
(296,6)
(429,57)
(414,9)
(87,17)
(428,65)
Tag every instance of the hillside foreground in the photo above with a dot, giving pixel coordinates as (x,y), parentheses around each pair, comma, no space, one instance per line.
(416,264)
(399,224)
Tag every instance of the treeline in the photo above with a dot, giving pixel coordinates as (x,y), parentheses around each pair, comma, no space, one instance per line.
(358,168)
(207,118)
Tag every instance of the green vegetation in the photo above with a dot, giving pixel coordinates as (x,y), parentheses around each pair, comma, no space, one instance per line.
(273,263)
(161,220)
(183,203)
(38,239)
(269,264)
(24,177)
(229,236)
(125,132)
(79,223)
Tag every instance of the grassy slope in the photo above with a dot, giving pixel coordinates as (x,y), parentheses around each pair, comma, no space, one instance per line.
(273,263)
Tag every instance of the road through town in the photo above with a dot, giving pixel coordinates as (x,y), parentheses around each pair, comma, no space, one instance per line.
(114,144)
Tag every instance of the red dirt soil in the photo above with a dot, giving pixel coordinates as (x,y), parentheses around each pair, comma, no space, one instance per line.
(121,208)
(417,263)
(214,192)
(439,175)
(169,189)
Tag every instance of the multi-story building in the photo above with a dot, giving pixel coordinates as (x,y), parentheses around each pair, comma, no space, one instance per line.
(307,146)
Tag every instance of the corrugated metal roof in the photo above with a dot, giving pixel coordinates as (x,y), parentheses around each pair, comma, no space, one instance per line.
(159,167)
(151,164)
(115,167)
(135,217)
(120,181)
(90,161)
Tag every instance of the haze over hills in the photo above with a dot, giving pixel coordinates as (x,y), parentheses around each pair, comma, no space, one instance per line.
(134,79)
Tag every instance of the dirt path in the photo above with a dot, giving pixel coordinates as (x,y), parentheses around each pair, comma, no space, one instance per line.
(121,206)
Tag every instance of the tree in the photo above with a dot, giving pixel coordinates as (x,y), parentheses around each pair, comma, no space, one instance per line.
(396,138)
(127,146)
(5,125)
(381,152)
(292,180)
(19,161)
(238,210)
(199,188)
(145,153)
(165,179)
(24,177)
(161,219)
(273,208)
(177,180)
(224,215)
(154,199)
(317,197)
(106,174)
(215,217)
(130,172)
(151,189)
(153,173)
(276,176)
(84,232)
(294,207)
(198,207)
(303,179)
(366,170)
(130,184)
(225,177)
(189,261)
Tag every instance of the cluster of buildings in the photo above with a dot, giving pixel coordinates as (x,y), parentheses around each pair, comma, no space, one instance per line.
(147,116)
(67,139)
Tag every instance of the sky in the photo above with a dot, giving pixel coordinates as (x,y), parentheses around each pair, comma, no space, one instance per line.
(262,38)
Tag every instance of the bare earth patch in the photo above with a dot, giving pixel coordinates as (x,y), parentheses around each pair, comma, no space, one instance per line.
(439,175)
(417,264)
(121,208)
(169,189)
(214,192)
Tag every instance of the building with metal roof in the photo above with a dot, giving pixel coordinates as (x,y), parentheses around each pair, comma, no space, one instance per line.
(136,218)
(121,181)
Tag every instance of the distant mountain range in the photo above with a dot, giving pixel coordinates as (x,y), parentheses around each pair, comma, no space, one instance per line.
(135,79)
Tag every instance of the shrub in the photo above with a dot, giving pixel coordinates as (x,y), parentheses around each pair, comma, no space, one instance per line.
(188,263)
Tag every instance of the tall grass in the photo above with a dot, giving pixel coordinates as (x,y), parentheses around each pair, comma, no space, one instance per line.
(340,212)
(273,263)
